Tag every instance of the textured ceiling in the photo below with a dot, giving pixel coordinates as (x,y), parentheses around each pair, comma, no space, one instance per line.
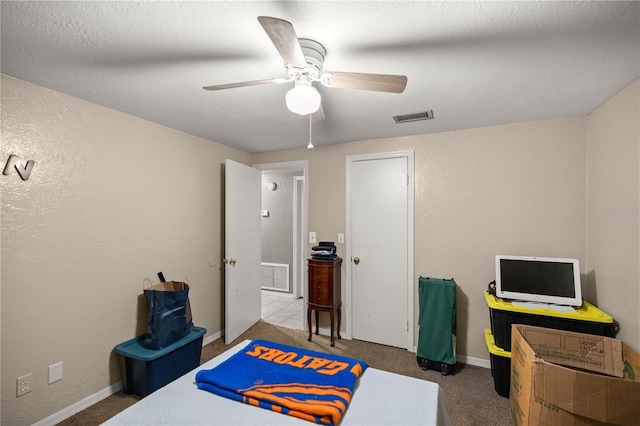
(473,63)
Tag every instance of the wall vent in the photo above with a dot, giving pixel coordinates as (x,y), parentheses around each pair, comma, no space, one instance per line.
(416,116)
(275,276)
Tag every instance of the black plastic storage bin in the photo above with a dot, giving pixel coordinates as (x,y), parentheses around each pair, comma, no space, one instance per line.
(500,365)
(147,370)
(586,319)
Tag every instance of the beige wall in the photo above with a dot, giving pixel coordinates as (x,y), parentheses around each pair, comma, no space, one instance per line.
(613,210)
(516,189)
(112,199)
(564,187)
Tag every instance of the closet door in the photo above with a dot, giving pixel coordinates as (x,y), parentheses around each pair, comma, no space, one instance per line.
(379,197)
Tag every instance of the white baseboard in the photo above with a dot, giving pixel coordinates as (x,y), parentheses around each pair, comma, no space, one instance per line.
(98,396)
(463,359)
(478,362)
(79,406)
(214,336)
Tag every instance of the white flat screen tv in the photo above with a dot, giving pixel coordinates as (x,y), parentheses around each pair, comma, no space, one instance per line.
(539,279)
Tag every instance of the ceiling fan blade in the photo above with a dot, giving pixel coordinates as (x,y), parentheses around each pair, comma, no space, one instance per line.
(376,82)
(246,83)
(284,38)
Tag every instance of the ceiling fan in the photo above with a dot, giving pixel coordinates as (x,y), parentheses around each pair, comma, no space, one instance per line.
(303,60)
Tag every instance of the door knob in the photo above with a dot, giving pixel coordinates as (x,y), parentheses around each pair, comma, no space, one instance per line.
(356,260)
(231,261)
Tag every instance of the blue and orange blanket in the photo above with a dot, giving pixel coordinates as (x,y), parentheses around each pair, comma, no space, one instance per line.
(309,385)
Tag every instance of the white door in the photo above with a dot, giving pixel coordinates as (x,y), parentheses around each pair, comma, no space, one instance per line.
(380,218)
(243,248)
(299,247)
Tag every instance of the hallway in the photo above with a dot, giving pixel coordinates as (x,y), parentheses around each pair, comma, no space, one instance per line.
(282,310)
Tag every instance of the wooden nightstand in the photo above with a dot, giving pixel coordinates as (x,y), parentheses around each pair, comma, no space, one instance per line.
(324,292)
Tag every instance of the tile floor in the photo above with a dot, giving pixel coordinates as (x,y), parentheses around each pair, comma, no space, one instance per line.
(281,310)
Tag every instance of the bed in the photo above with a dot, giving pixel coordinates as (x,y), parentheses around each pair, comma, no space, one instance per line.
(380,398)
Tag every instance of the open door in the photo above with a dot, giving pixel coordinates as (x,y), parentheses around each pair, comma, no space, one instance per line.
(243,249)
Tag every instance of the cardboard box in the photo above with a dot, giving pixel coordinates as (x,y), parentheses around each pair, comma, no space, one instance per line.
(567,378)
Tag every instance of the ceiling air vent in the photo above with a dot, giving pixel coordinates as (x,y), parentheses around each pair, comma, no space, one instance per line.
(416,116)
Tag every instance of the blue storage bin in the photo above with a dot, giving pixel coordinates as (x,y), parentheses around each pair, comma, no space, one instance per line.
(150,369)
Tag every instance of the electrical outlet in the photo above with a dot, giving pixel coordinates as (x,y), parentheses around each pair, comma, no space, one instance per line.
(23,384)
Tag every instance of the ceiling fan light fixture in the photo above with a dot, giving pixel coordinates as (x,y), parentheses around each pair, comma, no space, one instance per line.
(303,99)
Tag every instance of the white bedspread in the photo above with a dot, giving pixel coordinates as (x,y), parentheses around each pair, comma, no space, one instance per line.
(380,398)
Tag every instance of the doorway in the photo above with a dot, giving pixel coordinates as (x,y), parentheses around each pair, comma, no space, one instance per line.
(284,225)
(380,290)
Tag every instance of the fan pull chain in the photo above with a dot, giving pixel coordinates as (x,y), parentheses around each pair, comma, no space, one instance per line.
(310,146)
